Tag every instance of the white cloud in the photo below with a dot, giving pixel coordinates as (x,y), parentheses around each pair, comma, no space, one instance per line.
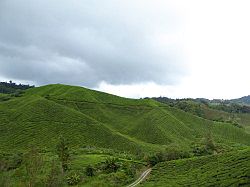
(86,42)
(138,48)
(215,44)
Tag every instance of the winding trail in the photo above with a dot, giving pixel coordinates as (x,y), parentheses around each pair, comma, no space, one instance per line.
(141,178)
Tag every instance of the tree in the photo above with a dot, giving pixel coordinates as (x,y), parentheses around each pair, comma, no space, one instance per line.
(209,143)
(154,159)
(33,162)
(54,179)
(63,153)
(111,165)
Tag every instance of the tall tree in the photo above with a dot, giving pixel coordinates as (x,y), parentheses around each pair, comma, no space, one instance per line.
(63,153)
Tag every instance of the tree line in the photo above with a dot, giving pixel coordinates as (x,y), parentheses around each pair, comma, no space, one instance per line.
(11,87)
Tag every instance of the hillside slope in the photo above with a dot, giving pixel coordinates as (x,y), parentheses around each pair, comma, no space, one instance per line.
(230,169)
(242,100)
(215,110)
(93,118)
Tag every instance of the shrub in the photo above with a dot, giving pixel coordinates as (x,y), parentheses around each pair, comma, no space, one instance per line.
(111,165)
(201,151)
(154,159)
(89,171)
(118,179)
(10,161)
(130,170)
(73,179)
(174,154)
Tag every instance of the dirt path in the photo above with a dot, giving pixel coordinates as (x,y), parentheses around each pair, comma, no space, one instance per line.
(141,178)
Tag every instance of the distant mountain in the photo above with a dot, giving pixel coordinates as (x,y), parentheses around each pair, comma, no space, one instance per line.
(230,111)
(242,100)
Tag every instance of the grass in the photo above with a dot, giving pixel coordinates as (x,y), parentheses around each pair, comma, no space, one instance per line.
(81,161)
(231,169)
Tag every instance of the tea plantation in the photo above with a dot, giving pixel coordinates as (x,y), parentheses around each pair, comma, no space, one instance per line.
(230,169)
(111,135)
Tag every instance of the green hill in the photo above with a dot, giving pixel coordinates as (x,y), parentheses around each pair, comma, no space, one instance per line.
(100,126)
(231,169)
(215,110)
(89,117)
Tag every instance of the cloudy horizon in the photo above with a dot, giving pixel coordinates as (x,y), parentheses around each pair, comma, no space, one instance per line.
(141,48)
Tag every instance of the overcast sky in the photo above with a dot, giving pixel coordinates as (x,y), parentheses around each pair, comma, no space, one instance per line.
(131,48)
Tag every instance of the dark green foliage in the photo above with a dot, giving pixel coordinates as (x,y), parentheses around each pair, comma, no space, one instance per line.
(130,170)
(201,151)
(186,105)
(63,153)
(207,147)
(195,106)
(170,153)
(111,165)
(231,107)
(89,171)
(10,161)
(173,153)
(152,160)
(13,88)
(73,179)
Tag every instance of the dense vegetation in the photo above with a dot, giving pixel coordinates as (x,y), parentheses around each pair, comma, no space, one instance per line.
(230,169)
(11,87)
(195,105)
(104,139)
(85,166)
(216,110)
(243,100)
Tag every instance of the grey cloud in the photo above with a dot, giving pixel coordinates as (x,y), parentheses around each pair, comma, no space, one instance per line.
(86,42)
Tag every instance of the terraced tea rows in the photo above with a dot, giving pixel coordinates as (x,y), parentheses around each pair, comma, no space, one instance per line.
(94,118)
(231,169)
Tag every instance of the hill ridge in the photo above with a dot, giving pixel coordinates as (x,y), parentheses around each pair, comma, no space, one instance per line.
(137,125)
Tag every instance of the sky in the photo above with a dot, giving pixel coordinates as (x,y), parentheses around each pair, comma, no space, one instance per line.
(130,48)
